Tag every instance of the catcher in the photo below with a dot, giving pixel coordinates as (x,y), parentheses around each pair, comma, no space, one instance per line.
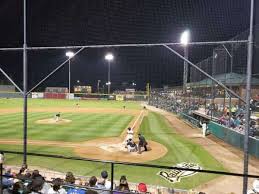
(131,146)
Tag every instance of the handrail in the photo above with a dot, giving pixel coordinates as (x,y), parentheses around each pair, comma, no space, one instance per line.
(135,164)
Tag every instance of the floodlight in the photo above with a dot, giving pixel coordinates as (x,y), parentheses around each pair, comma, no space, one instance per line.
(185,37)
(70,54)
(109,57)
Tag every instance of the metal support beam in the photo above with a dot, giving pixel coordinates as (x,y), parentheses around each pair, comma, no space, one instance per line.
(109,77)
(51,73)
(248,95)
(185,69)
(69,76)
(10,79)
(25,82)
(227,50)
(206,74)
(126,45)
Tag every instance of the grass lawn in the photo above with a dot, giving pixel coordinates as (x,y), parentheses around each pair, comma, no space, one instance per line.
(84,126)
(154,127)
(38,103)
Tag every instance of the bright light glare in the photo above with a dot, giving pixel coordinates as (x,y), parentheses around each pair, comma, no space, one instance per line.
(70,54)
(185,37)
(109,57)
(108,83)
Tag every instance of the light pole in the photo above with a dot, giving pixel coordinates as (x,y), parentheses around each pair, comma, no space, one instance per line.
(185,37)
(98,85)
(70,55)
(109,57)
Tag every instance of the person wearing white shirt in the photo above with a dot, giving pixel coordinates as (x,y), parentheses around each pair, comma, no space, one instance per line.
(56,188)
(204,128)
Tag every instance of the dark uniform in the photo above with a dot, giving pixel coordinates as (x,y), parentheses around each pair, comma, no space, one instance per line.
(142,142)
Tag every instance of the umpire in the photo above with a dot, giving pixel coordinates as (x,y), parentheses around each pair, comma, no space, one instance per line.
(142,143)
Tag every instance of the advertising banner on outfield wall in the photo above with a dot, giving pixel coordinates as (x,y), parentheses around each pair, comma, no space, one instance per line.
(71,96)
(119,97)
(37,94)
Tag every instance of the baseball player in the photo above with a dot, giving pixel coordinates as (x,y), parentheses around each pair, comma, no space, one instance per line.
(130,133)
(204,128)
(142,143)
(132,146)
(57,117)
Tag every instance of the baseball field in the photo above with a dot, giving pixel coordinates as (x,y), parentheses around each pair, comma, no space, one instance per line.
(96,129)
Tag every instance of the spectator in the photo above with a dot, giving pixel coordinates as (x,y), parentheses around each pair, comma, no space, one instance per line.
(35,174)
(107,183)
(77,191)
(92,182)
(70,179)
(8,173)
(232,123)
(123,186)
(7,181)
(56,188)
(237,121)
(101,186)
(36,185)
(91,192)
(142,187)
(16,189)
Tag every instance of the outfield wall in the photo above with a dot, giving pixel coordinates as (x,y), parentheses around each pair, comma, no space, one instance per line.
(76,96)
(234,138)
(11,95)
(228,135)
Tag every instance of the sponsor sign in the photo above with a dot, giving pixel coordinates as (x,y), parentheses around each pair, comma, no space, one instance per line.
(119,97)
(37,95)
(174,176)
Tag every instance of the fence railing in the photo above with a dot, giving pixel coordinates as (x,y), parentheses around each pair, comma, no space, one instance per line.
(114,163)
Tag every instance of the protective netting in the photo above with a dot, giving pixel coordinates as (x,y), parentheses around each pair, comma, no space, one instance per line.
(81,22)
(51,23)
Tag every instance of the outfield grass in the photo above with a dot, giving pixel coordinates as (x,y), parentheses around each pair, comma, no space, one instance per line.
(45,103)
(154,127)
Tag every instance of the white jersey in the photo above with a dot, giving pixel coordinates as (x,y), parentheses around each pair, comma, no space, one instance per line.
(130,134)
(204,129)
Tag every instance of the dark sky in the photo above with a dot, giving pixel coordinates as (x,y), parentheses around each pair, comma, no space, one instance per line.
(88,22)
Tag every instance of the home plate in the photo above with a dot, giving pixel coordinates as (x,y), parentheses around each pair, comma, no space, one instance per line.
(112,147)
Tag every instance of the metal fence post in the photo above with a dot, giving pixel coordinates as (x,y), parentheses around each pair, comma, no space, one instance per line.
(1,174)
(112,175)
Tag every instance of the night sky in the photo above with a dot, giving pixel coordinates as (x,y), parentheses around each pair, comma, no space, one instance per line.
(88,22)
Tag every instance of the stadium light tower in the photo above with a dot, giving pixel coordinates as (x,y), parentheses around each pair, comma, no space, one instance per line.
(70,55)
(185,38)
(109,57)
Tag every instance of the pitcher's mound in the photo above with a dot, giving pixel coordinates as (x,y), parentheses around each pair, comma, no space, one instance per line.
(53,121)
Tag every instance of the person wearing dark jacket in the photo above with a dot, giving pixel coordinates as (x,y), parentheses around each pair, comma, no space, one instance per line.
(142,143)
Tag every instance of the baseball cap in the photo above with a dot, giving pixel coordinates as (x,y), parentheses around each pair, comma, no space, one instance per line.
(256,185)
(104,174)
(142,187)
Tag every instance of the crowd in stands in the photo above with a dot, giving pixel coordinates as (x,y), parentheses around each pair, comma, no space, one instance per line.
(32,182)
(232,117)
(26,181)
